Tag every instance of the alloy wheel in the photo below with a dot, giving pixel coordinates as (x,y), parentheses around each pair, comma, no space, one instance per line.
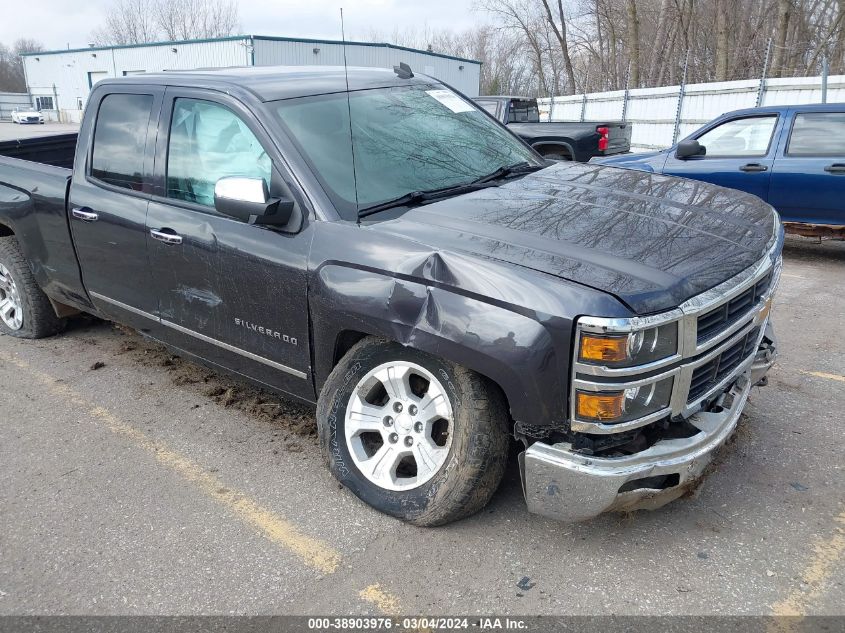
(399,425)
(11,311)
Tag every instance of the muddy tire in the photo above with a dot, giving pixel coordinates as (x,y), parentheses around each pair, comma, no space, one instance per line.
(412,435)
(25,311)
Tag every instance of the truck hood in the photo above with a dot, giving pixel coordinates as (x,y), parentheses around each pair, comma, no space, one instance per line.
(651,241)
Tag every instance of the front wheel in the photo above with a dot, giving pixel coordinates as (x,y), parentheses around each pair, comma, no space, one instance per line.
(412,435)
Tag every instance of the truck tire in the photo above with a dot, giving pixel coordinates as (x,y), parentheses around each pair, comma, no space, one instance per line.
(412,435)
(25,311)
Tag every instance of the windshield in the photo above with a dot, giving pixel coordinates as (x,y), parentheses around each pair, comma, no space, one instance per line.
(408,139)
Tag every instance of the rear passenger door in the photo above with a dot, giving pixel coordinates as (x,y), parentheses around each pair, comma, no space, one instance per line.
(108,202)
(230,292)
(808,179)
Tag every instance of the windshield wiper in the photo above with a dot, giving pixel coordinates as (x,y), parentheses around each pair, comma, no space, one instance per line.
(420,197)
(509,170)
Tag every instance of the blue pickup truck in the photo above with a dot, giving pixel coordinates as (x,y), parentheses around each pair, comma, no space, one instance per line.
(793,157)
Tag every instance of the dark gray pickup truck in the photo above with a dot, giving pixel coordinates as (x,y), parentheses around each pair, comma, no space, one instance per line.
(571,140)
(384,249)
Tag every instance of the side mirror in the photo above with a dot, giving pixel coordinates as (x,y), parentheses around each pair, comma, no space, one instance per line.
(689,148)
(248,200)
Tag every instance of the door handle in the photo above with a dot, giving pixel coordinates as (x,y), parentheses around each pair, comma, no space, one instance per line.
(753,167)
(84,214)
(166,237)
(835,168)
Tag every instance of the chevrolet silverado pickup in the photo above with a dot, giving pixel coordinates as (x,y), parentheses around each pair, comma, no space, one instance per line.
(570,140)
(375,244)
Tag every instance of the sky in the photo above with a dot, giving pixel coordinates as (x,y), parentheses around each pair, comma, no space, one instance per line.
(59,23)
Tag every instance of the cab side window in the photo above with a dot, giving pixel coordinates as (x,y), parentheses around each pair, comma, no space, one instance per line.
(818,134)
(209,142)
(490,106)
(740,137)
(120,140)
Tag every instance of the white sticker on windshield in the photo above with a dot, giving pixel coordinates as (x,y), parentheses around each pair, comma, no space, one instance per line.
(450,100)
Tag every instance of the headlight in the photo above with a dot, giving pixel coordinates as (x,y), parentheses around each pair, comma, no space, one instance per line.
(638,347)
(623,405)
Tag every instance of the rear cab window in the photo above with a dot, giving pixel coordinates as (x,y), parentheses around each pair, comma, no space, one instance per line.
(523,111)
(120,140)
(817,134)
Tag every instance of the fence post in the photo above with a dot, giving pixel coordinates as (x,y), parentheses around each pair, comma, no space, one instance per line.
(584,97)
(761,89)
(681,91)
(825,73)
(627,93)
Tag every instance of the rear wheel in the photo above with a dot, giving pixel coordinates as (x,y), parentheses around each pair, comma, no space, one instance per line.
(25,311)
(412,435)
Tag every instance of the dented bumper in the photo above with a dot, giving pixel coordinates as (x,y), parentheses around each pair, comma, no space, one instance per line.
(569,486)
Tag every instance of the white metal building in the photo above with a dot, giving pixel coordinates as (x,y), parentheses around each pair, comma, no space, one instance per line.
(59,81)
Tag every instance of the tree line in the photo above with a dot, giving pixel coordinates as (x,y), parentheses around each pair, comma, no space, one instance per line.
(545,47)
(12,78)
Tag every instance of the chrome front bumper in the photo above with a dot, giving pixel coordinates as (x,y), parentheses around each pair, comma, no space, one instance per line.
(569,486)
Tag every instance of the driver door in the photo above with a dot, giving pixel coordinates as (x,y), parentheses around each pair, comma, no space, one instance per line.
(740,155)
(230,292)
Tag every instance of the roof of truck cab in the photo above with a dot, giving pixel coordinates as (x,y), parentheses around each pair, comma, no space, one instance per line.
(777,109)
(271,83)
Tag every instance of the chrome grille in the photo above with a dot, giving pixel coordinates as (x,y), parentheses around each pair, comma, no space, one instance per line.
(719,332)
(713,322)
(714,371)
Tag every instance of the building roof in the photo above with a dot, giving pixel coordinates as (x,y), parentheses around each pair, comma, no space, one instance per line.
(268,38)
(271,83)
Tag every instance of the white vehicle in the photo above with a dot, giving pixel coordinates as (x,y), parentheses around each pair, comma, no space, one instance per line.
(27,116)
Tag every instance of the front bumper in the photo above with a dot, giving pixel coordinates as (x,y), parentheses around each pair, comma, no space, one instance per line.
(569,486)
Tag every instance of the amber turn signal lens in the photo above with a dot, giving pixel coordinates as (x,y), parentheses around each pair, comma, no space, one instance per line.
(604,348)
(600,406)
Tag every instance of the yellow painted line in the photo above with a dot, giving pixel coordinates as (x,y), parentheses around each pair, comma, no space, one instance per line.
(383,601)
(827,554)
(793,276)
(821,374)
(281,531)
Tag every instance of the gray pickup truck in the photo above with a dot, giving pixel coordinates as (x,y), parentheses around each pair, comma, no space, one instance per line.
(375,244)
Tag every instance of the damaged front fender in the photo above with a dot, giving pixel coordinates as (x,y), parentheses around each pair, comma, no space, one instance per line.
(505,322)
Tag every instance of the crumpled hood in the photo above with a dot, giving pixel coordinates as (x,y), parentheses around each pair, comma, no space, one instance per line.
(652,241)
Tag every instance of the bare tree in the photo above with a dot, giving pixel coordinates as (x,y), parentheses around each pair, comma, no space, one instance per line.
(634,42)
(558,26)
(12,76)
(143,21)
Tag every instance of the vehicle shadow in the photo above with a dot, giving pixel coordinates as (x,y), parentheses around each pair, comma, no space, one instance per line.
(810,250)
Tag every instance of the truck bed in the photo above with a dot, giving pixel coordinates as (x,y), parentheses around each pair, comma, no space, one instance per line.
(35,176)
(56,150)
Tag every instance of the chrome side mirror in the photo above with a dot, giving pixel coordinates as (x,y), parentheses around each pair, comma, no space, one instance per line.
(248,200)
